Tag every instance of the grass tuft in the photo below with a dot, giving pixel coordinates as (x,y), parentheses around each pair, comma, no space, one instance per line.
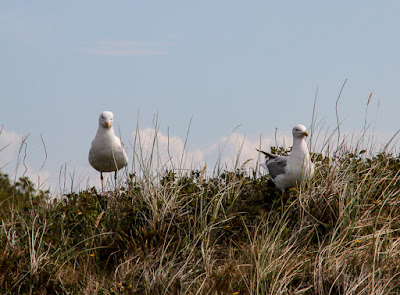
(166,230)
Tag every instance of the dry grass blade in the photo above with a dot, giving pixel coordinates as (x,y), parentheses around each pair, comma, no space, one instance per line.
(99,219)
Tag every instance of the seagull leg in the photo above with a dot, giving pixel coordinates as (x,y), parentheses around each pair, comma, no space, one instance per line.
(286,195)
(101,178)
(284,198)
(115,178)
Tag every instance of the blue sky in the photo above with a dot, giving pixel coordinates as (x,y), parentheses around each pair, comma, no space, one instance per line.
(221,64)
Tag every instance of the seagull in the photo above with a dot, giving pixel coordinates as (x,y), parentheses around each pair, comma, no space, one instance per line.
(287,171)
(107,153)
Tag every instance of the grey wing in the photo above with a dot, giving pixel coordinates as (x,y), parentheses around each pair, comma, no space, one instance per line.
(277,166)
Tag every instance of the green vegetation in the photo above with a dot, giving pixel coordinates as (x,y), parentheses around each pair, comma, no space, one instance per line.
(232,233)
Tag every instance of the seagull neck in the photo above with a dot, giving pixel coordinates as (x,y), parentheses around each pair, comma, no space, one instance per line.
(105,131)
(300,145)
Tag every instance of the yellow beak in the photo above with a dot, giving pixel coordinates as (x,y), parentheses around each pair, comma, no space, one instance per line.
(108,124)
(305,133)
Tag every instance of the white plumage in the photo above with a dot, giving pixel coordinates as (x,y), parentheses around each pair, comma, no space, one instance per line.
(107,153)
(287,171)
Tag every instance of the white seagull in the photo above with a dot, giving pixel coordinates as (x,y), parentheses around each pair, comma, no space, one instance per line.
(287,171)
(107,153)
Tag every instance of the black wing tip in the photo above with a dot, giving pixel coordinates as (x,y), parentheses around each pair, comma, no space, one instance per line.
(260,151)
(268,155)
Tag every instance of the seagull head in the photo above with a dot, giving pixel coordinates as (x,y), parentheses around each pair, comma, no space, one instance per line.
(106,119)
(299,131)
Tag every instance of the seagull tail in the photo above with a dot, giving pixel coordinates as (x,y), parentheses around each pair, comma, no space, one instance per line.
(267,155)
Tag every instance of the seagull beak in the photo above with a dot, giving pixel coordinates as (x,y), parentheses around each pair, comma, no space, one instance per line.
(108,124)
(305,133)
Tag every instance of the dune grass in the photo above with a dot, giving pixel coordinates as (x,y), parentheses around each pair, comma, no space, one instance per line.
(175,231)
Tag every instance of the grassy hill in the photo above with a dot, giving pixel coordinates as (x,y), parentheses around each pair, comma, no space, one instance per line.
(231,233)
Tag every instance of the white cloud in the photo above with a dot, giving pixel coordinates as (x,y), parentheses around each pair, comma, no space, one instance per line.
(124,48)
(164,151)
(9,145)
(229,152)
(13,160)
(233,151)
